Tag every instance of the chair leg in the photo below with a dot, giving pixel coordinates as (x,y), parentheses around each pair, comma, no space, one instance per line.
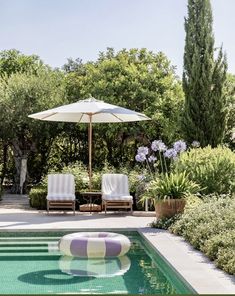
(105,207)
(48,206)
(74,208)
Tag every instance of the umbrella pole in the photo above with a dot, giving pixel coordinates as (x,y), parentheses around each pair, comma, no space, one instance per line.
(90,152)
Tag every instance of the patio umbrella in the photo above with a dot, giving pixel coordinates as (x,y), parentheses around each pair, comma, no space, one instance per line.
(90,111)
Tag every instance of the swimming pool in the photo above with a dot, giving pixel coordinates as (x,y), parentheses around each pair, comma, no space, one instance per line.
(30,263)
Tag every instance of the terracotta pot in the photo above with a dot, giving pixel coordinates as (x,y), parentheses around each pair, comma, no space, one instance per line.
(169,208)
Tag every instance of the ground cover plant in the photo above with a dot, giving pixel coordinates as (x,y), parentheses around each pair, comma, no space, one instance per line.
(209,227)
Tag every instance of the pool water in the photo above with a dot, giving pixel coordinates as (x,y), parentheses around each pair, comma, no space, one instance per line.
(30,263)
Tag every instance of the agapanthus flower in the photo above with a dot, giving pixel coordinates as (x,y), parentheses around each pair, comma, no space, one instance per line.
(140,157)
(152,158)
(195,144)
(158,145)
(141,177)
(180,146)
(143,150)
(170,153)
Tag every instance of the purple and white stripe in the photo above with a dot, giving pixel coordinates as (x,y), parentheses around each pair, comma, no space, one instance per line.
(94,244)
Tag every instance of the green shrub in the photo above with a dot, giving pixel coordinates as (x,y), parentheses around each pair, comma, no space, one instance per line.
(226,260)
(218,242)
(37,197)
(210,228)
(165,223)
(212,168)
(80,175)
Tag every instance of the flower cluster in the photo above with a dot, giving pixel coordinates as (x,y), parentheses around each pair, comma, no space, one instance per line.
(156,161)
(149,155)
(146,154)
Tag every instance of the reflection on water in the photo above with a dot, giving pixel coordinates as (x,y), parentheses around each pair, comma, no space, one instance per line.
(96,267)
(31,263)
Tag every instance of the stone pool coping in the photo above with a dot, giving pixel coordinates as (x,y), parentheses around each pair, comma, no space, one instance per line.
(192,265)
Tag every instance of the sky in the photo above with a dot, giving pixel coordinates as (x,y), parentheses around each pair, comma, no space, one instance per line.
(60,29)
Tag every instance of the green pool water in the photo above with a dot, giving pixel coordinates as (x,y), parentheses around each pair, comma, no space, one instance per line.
(30,263)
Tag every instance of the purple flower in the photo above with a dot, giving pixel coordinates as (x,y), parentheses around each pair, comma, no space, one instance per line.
(180,146)
(141,177)
(143,150)
(152,158)
(140,157)
(170,153)
(195,144)
(158,145)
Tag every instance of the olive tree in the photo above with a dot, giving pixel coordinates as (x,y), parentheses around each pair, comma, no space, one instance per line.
(20,95)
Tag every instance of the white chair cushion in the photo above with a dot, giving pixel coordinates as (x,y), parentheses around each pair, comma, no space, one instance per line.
(60,196)
(117,198)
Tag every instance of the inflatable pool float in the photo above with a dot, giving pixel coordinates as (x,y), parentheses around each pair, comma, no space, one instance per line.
(95,267)
(94,244)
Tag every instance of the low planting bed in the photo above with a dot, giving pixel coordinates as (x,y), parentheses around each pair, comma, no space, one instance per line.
(209,226)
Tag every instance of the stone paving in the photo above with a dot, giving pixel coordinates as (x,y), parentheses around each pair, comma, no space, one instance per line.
(15,201)
(196,269)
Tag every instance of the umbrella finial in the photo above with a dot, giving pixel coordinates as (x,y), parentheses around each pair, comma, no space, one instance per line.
(91,99)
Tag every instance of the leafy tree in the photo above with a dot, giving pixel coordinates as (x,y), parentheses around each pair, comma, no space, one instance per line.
(20,95)
(12,61)
(229,93)
(204,117)
(137,79)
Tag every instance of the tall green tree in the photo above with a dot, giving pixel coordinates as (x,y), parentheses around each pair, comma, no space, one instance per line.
(137,79)
(23,94)
(204,116)
(229,92)
(13,61)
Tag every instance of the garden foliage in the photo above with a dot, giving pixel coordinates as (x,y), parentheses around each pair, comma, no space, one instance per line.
(210,227)
(212,168)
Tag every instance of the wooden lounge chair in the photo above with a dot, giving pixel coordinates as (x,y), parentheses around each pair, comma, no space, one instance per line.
(115,192)
(61,192)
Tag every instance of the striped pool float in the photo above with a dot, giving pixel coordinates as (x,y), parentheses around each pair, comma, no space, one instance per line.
(94,244)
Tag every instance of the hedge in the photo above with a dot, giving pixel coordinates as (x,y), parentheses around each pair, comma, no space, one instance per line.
(210,228)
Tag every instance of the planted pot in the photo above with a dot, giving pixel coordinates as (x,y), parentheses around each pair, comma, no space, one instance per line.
(169,208)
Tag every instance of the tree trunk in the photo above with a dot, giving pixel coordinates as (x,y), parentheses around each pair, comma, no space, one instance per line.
(18,156)
(4,160)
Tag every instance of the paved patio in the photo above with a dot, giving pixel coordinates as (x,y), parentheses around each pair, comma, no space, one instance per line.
(198,271)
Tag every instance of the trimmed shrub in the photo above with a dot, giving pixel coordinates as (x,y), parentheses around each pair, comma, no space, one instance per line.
(226,260)
(218,242)
(165,223)
(37,197)
(210,228)
(212,168)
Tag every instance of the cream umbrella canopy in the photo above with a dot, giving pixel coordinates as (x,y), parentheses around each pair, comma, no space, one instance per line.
(90,111)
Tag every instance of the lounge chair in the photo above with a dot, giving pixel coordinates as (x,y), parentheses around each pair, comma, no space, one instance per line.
(61,192)
(115,192)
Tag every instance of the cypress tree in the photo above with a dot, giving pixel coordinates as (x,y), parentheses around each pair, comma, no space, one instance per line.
(204,116)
